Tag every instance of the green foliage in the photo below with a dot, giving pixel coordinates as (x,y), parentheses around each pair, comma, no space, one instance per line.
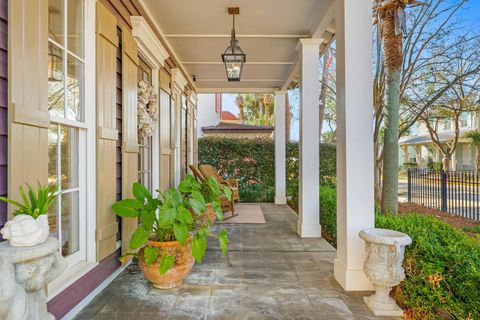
(472,229)
(436,166)
(252,162)
(475,136)
(170,217)
(328,209)
(441,265)
(442,268)
(34,203)
(410,165)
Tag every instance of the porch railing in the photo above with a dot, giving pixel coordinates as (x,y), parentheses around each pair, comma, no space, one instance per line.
(456,192)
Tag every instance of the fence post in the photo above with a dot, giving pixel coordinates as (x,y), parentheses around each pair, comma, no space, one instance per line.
(444,191)
(409,184)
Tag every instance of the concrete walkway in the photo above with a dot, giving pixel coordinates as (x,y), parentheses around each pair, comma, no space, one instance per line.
(269,273)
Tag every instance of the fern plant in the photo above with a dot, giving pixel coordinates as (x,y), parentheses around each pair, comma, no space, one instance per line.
(36,202)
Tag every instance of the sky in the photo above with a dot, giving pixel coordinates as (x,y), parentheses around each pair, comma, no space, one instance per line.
(468,18)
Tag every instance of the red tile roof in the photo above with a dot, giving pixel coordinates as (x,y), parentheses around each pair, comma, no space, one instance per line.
(227,115)
(237,128)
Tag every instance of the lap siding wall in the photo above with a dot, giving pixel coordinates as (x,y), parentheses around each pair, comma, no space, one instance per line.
(3,109)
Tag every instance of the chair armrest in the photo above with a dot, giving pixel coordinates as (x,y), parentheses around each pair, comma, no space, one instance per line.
(233,183)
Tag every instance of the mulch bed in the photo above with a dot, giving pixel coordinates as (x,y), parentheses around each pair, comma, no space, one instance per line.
(451,219)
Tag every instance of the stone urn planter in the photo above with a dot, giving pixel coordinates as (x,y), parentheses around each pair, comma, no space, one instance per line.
(181,268)
(25,273)
(383,267)
(207,217)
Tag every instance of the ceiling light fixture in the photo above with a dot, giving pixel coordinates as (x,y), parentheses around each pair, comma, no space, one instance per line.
(233,57)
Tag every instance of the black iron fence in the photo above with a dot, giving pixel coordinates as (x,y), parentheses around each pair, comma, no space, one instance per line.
(456,192)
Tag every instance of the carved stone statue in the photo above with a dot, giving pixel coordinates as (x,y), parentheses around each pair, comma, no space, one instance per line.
(25,273)
(383,266)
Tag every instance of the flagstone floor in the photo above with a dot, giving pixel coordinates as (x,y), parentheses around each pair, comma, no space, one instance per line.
(269,273)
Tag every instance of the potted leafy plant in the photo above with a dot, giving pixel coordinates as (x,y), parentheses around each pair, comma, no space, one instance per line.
(204,199)
(167,239)
(29,226)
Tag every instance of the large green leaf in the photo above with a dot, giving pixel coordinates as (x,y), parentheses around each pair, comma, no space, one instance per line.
(150,254)
(228,192)
(166,218)
(214,186)
(185,185)
(223,241)
(139,237)
(147,218)
(184,216)
(217,208)
(180,232)
(127,208)
(140,192)
(166,263)
(176,198)
(199,246)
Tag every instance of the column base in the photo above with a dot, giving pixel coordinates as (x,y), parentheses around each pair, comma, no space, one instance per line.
(351,279)
(280,200)
(305,230)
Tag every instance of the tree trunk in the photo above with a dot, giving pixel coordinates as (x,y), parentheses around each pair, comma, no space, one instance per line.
(392,47)
(446,163)
(323,89)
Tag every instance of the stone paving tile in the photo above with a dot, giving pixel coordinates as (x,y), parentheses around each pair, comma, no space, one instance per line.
(269,273)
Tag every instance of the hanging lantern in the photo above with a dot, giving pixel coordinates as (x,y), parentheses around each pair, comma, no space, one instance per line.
(233,57)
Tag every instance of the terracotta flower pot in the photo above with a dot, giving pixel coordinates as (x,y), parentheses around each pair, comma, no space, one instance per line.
(181,268)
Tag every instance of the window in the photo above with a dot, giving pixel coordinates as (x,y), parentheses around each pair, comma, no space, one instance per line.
(145,162)
(447,124)
(67,133)
(463,119)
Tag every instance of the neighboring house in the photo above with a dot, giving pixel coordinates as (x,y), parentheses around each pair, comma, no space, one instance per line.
(213,121)
(209,111)
(237,130)
(420,148)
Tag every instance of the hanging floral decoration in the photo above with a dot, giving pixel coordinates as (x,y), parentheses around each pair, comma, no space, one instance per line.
(147,109)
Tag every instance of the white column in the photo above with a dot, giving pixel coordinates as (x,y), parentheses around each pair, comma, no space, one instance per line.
(308,224)
(280,148)
(355,160)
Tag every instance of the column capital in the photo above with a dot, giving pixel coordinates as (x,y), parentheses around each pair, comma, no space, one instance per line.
(303,42)
(280,92)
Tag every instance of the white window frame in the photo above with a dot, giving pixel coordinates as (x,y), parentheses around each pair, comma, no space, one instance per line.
(86,138)
(154,54)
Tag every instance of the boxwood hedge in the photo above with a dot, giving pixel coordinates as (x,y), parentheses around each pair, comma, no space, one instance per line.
(442,265)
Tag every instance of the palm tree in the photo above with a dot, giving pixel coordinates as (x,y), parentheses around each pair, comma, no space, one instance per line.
(475,136)
(240,104)
(391,20)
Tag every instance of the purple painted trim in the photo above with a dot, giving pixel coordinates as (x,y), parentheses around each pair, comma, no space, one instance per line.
(71,296)
(3,108)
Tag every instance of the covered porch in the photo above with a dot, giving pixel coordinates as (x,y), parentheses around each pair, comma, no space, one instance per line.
(269,273)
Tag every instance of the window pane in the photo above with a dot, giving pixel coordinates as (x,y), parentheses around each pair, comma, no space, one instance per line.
(70,223)
(52,154)
(69,157)
(74,91)
(52,219)
(55,20)
(56,99)
(75,26)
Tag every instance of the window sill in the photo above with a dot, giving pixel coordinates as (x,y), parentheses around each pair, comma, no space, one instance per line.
(67,278)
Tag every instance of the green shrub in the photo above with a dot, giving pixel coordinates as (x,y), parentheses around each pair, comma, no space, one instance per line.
(436,166)
(328,209)
(252,161)
(442,267)
(410,165)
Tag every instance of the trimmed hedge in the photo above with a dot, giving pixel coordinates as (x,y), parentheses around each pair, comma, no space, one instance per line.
(442,265)
(252,161)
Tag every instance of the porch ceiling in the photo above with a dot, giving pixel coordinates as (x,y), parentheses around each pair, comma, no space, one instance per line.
(268,30)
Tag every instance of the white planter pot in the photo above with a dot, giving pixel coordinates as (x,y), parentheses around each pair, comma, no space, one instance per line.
(25,231)
(383,267)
